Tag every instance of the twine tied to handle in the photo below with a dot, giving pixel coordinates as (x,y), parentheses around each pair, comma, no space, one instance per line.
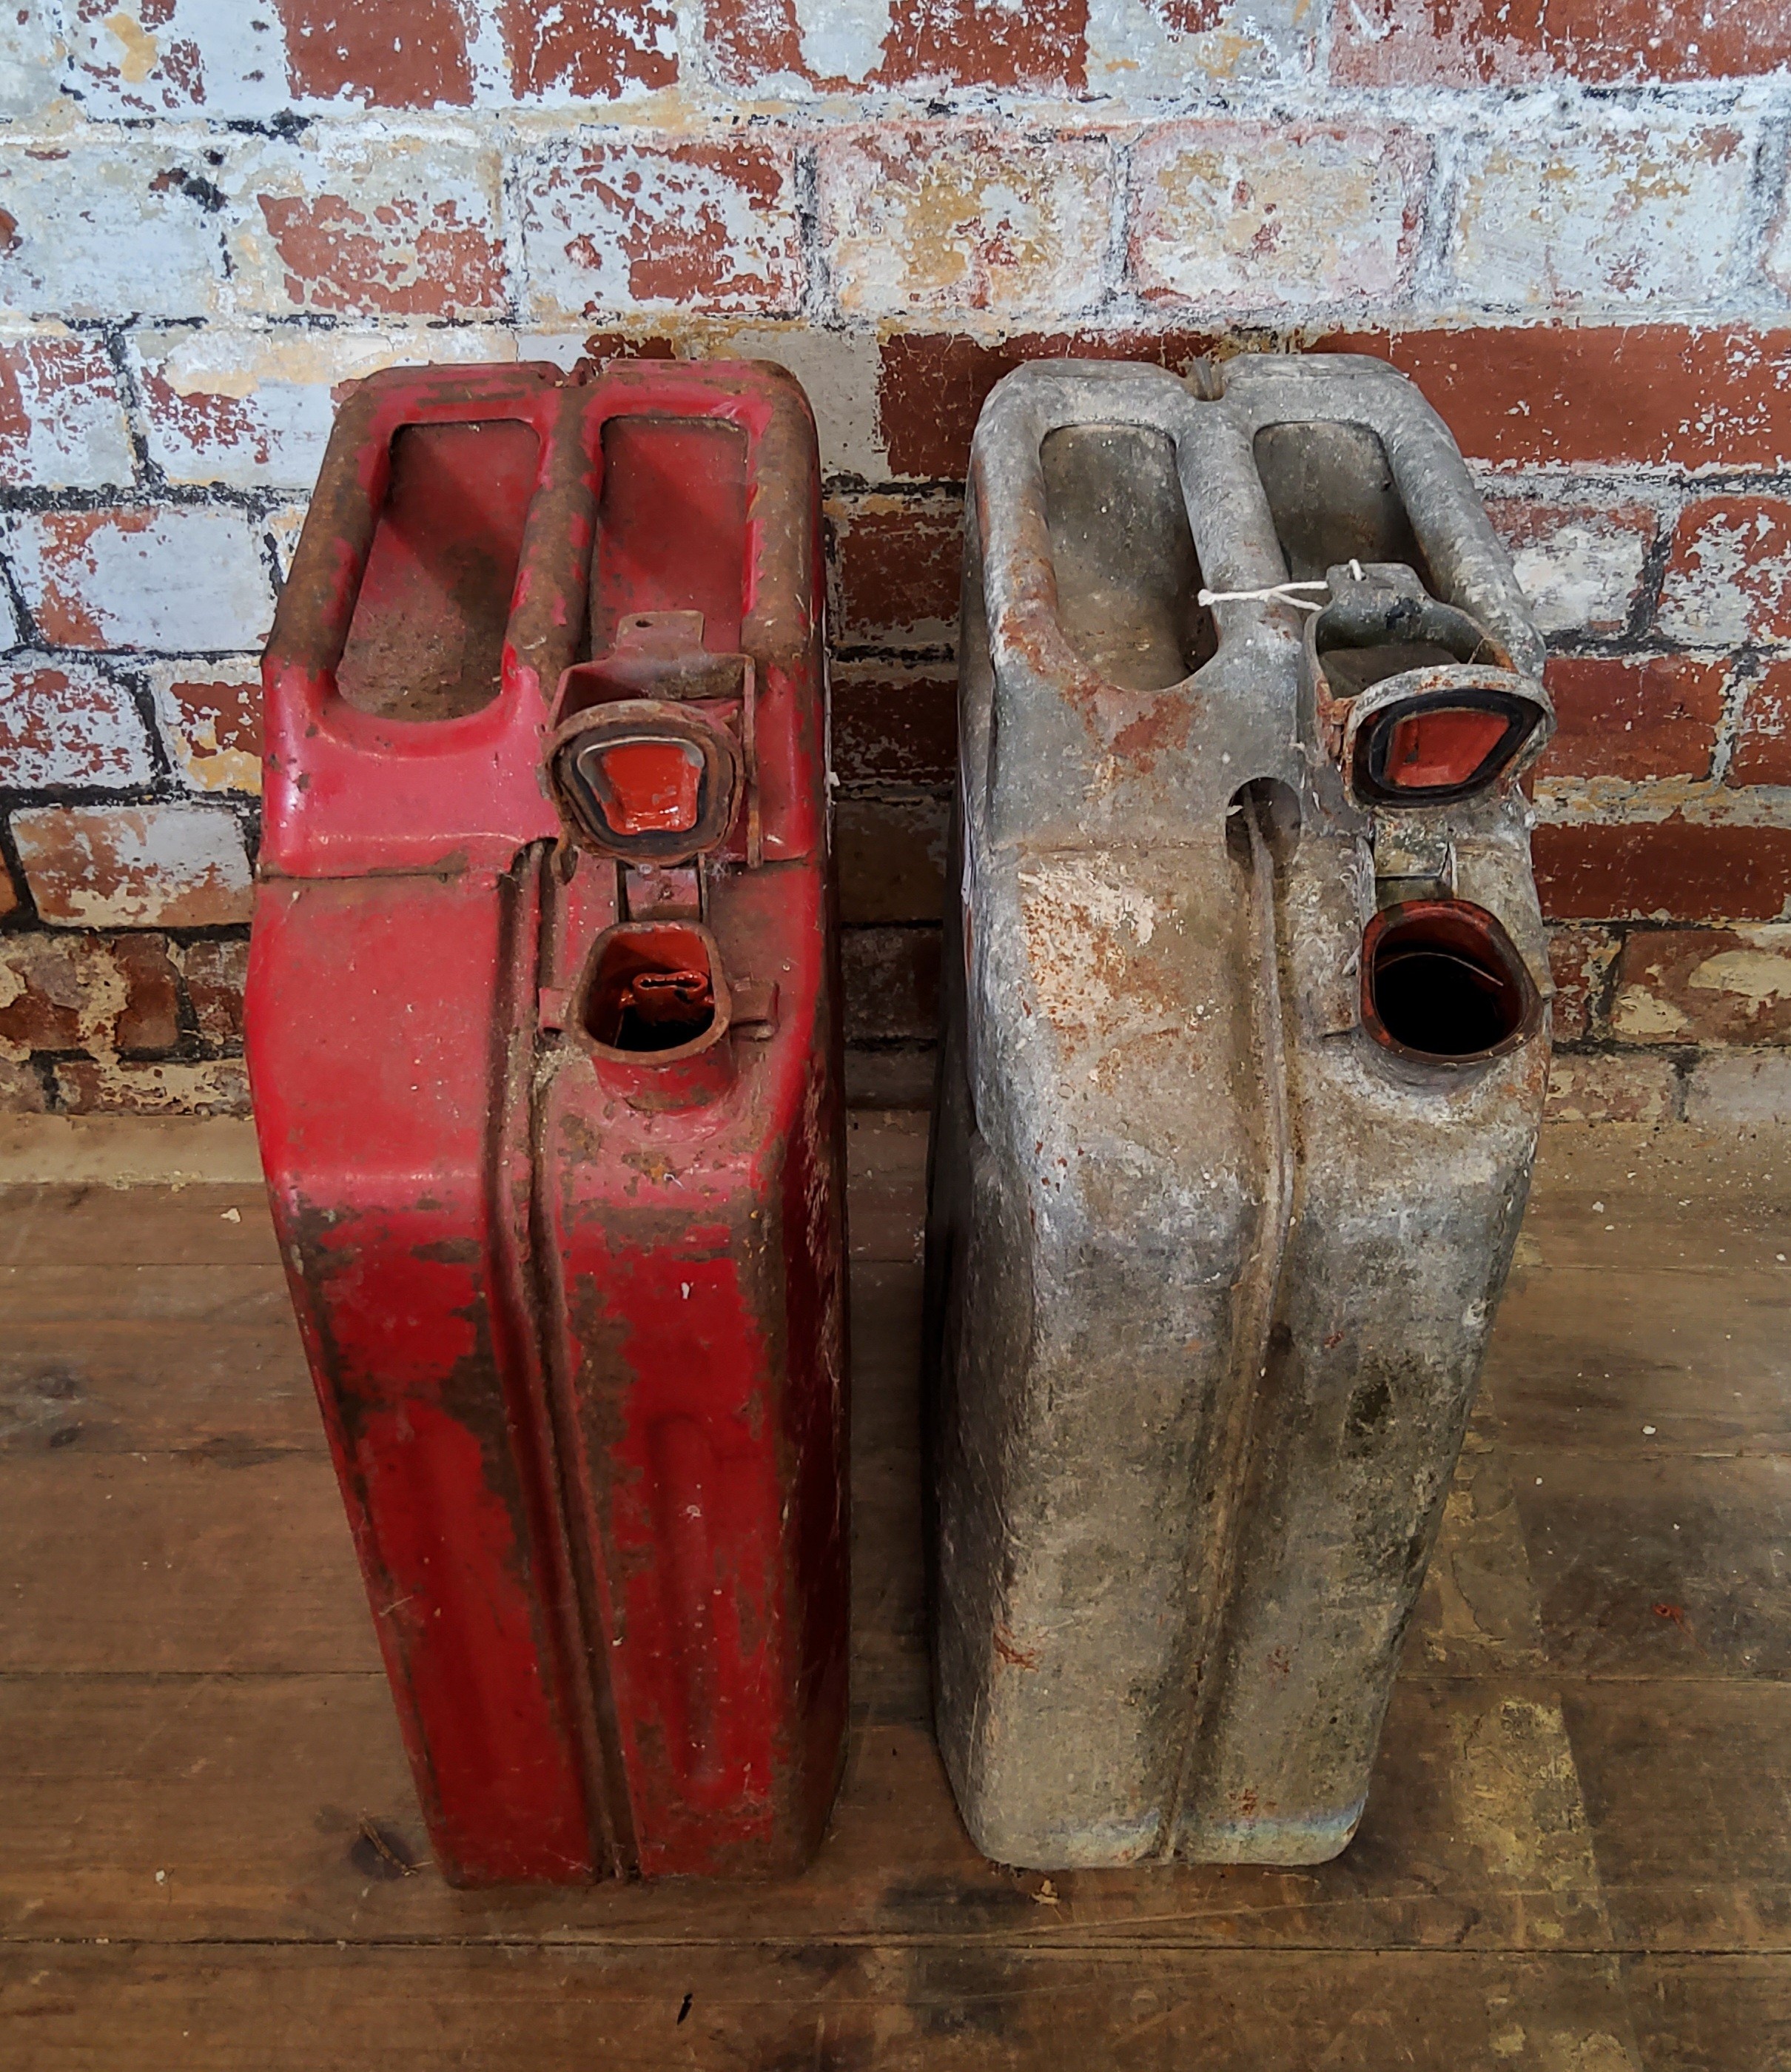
(1280,593)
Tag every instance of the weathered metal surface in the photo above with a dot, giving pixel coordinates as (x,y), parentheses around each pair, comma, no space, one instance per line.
(1239,1093)
(548,1082)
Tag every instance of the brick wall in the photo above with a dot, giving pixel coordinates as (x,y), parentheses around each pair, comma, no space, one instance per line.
(1568,223)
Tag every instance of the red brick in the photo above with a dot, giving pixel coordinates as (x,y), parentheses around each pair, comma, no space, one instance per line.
(212,724)
(969,218)
(1594,43)
(1729,578)
(161,577)
(154,866)
(216,971)
(10,898)
(931,385)
(894,723)
(891,978)
(1633,716)
(66,723)
(1704,985)
(1581,959)
(107,1085)
(62,421)
(344,223)
(1251,216)
(86,992)
(651,222)
(412,56)
(1673,869)
(900,562)
(1041,48)
(588,50)
(1600,395)
(1581,566)
(1763,745)
(892,859)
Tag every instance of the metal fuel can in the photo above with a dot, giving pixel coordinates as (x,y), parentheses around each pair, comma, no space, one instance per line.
(545,1042)
(1246,1041)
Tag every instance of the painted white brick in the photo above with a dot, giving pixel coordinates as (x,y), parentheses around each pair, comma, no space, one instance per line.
(31,58)
(1234,216)
(1635,209)
(1137,54)
(223,58)
(62,425)
(67,722)
(1742,1089)
(179,578)
(154,866)
(616,222)
(955,222)
(108,224)
(381,219)
(253,410)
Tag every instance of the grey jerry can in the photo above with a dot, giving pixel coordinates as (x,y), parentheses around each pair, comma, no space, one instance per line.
(1245,1048)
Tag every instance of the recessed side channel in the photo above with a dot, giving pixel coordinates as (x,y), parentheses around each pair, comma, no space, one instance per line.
(426,640)
(1443,984)
(1332,496)
(1127,574)
(671,526)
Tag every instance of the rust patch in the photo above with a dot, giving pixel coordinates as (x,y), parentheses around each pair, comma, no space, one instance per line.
(1014,1655)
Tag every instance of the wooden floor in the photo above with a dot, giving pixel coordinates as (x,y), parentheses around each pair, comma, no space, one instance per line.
(1576,1856)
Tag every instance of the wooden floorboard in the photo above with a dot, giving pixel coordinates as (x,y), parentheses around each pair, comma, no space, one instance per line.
(1577,1852)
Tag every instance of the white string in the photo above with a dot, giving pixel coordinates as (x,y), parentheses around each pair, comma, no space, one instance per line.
(1271,593)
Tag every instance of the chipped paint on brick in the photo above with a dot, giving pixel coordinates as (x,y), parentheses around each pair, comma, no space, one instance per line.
(150,866)
(167,577)
(86,992)
(62,421)
(899,561)
(620,224)
(31,58)
(1762,751)
(562,53)
(1153,50)
(412,56)
(378,223)
(1236,216)
(973,222)
(217,58)
(1633,208)
(282,527)
(1634,716)
(797,46)
(254,409)
(1581,568)
(114,1086)
(1706,985)
(216,971)
(1606,1089)
(1472,43)
(1729,579)
(65,723)
(210,719)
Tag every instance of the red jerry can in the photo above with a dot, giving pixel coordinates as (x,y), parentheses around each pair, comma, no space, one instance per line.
(545,1041)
